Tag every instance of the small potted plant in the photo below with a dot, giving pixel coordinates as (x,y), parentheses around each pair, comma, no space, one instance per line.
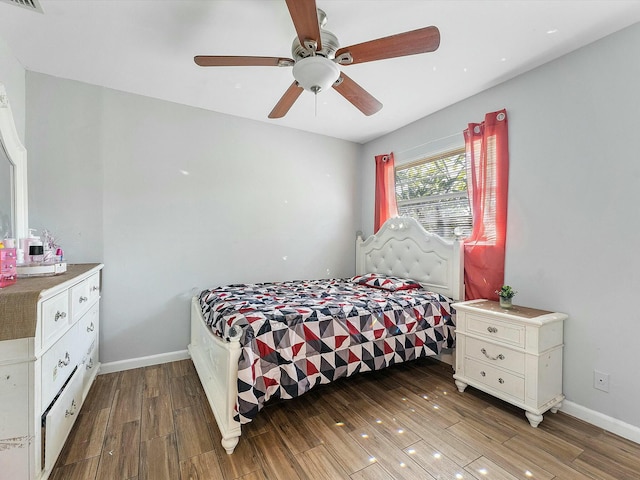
(506,293)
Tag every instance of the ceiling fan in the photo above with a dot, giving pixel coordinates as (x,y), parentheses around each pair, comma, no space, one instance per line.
(316,55)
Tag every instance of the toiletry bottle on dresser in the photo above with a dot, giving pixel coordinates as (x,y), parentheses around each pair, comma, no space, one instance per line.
(23,251)
(25,243)
(36,251)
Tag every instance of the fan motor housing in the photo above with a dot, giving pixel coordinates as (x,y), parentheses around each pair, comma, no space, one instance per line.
(330,46)
(328,40)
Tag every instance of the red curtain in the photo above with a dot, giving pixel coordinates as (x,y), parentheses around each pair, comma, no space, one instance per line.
(487,152)
(386,206)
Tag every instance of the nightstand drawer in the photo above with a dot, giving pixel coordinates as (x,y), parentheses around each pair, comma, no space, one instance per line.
(496,329)
(496,355)
(496,379)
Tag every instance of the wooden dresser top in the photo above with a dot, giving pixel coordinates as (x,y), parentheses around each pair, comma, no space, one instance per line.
(18,302)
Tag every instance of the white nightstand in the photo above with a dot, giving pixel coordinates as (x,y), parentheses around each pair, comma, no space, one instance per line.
(514,354)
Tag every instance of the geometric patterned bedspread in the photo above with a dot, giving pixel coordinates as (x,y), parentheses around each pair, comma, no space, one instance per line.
(299,334)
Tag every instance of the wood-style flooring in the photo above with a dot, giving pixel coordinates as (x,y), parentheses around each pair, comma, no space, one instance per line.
(406,422)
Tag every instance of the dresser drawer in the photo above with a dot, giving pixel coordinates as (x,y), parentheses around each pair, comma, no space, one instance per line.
(7,279)
(79,299)
(496,355)
(84,294)
(8,261)
(496,329)
(495,378)
(89,366)
(8,269)
(7,255)
(94,287)
(58,363)
(88,328)
(60,418)
(55,317)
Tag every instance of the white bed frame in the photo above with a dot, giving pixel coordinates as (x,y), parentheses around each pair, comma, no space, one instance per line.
(401,248)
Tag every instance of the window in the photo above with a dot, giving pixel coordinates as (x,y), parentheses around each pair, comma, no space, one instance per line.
(433,190)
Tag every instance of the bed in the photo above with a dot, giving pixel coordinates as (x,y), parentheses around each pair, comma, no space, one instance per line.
(250,343)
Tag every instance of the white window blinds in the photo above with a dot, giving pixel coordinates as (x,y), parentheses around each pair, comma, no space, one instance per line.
(434,192)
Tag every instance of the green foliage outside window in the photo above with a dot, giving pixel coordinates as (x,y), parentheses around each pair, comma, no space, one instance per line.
(436,177)
(434,191)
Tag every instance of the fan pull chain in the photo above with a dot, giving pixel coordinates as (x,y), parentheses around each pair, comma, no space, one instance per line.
(315,89)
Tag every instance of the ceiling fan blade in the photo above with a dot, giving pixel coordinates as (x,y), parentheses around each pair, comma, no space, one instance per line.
(423,40)
(287,100)
(358,96)
(305,18)
(232,61)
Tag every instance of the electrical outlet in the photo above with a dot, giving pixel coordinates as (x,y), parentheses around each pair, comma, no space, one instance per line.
(601,381)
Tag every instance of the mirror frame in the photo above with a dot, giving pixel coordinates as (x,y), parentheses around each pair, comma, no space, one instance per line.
(17,154)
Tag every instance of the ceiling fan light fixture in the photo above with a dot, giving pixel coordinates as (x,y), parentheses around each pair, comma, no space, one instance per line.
(316,74)
(317,58)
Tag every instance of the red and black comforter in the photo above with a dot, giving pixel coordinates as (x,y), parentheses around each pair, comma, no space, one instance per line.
(299,334)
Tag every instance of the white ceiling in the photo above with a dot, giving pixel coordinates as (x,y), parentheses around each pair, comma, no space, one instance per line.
(147,47)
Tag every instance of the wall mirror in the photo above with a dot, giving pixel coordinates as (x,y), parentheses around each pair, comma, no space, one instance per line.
(14,217)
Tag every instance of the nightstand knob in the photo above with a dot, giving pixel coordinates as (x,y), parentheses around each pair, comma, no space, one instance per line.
(483,374)
(498,357)
(500,380)
(492,330)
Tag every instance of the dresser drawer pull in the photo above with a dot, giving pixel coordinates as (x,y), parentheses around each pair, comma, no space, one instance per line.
(500,380)
(95,288)
(72,410)
(482,373)
(82,299)
(492,330)
(90,364)
(65,362)
(498,357)
(91,328)
(59,315)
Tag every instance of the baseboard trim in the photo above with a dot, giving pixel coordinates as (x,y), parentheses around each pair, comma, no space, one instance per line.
(110,367)
(613,425)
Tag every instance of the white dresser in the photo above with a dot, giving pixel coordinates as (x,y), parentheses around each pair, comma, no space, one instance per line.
(48,360)
(514,354)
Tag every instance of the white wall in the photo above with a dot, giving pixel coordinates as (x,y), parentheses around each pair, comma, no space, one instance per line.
(573,224)
(173,198)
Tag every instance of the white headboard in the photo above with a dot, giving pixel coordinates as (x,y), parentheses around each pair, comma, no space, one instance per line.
(403,248)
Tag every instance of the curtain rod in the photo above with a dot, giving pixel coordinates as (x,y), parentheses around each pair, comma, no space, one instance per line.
(429,143)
